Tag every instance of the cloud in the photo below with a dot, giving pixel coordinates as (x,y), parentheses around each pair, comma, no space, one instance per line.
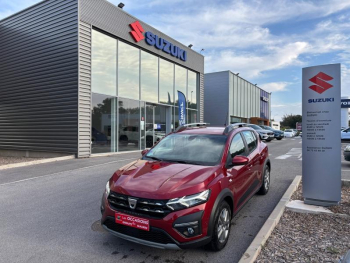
(251,65)
(274,86)
(280,109)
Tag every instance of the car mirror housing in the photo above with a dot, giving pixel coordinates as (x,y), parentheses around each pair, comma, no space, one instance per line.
(239,160)
(144,152)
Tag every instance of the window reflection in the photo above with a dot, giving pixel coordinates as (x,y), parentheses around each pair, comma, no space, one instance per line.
(149,77)
(129,124)
(102,118)
(180,81)
(128,71)
(192,90)
(192,116)
(103,63)
(166,82)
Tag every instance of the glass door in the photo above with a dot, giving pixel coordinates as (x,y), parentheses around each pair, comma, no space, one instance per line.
(158,123)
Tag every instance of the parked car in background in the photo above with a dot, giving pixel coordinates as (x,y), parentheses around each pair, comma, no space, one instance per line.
(277,133)
(301,134)
(345,134)
(289,133)
(265,135)
(186,189)
(347,153)
(296,132)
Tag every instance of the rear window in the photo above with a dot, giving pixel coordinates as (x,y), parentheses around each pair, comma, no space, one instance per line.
(288,130)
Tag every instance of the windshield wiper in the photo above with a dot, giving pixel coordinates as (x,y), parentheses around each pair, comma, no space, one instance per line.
(154,158)
(185,162)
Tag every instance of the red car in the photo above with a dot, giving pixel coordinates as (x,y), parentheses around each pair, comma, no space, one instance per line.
(185,190)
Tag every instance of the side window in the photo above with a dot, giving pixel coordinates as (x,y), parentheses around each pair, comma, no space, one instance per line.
(237,146)
(251,140)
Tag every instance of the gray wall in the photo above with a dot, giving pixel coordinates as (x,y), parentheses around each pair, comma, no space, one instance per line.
(39,78)
(216,94)
(84,122)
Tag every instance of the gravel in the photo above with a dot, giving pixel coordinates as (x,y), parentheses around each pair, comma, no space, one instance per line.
(302,237)
(10,160)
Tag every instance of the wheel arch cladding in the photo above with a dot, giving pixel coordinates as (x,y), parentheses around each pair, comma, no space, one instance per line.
(225,195)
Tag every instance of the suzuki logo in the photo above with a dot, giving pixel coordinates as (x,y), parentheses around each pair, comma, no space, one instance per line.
(320,81)
(137,31)
(132,202)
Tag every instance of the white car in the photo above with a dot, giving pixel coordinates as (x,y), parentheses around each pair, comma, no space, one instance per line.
(289,133)
(345,134)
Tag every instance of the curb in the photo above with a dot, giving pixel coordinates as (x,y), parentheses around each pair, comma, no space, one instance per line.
(48,160)
(112,153)
(345,182)
(259,241)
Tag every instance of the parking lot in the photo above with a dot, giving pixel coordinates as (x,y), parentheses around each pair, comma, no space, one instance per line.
(50,212)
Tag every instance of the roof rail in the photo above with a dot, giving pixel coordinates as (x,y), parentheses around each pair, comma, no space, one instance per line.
(233,126)
(191,125)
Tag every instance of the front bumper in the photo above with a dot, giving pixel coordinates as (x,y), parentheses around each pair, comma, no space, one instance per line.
(164,233)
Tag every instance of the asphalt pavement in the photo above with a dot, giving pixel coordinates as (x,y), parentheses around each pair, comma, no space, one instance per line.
(50,212)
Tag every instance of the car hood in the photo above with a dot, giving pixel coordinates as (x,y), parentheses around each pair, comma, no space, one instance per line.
(162,180)
(264,131)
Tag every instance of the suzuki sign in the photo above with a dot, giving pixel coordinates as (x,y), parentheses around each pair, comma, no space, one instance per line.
(156,41)
(321,137)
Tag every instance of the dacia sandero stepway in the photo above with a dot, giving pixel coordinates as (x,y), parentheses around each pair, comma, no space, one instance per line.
(185,190)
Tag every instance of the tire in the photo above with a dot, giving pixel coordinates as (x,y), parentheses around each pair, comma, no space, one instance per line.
(222,219)
(265,182)
(279,139)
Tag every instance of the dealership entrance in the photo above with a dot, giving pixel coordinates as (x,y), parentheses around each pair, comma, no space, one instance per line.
(158,122)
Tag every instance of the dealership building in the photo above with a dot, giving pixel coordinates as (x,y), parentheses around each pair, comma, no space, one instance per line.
(232,99)
(84,77)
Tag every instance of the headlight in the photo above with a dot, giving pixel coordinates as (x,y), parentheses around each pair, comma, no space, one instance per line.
(188,201)
(347,148)
(108,190)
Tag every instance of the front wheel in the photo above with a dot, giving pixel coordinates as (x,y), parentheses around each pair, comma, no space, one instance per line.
(265,182)
(222,227)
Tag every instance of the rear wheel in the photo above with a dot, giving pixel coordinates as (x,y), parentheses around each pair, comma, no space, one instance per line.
(222,227)
(266,181)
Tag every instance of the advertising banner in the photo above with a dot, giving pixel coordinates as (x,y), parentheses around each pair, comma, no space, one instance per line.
(298,126)
(321,153)
(182,108)
(345,103)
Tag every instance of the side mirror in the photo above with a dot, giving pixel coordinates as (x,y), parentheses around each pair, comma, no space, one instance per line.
(240,160)
(144,152)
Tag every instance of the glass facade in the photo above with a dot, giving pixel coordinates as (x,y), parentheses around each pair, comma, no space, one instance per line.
(134,96)
(103,64)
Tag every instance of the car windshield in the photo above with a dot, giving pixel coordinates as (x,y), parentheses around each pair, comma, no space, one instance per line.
(255,127)
(200,149)
(288,130)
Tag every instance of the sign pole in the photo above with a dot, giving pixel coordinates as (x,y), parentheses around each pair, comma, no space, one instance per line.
(321,135)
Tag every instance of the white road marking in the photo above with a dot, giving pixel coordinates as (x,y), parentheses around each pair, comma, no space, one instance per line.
(283,157)
(83,168)
(292,152)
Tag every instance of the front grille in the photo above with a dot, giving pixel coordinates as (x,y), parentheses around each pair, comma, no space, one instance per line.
(270,133)
(148,208)
(154,235)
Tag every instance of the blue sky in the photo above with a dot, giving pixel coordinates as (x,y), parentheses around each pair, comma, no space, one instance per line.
(267,42)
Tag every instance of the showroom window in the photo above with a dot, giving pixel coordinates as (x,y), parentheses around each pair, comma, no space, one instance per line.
(104,63)
(128,71)
(103,125)
(149,77)
(166,82)
(129,124)
(192,90)
(180,81)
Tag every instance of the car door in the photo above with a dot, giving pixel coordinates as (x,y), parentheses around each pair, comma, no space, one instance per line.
(238,175)
(254,157)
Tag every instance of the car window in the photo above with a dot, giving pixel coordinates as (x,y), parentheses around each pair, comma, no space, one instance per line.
(237,146)
(251,140)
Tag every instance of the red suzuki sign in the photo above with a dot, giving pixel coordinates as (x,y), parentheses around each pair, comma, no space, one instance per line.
(320,81)
(132,221)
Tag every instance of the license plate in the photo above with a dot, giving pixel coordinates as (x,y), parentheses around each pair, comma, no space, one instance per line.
(132,221)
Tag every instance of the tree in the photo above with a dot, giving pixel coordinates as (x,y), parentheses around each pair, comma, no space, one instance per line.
(290,120)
